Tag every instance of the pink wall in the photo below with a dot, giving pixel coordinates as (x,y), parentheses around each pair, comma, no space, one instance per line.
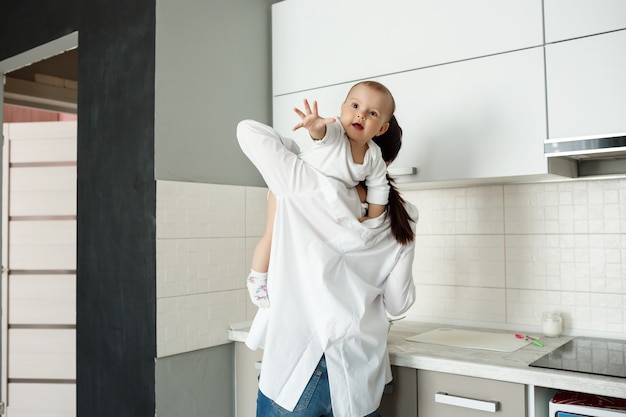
(13,114)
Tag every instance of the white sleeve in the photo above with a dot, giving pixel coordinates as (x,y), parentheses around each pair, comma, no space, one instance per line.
(399,293)
(334,132)
(282,170)
(377,183)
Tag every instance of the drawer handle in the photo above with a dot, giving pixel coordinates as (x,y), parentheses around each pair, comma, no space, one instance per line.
(444,398)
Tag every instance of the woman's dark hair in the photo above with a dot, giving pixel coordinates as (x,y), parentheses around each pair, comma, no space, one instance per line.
(389,144)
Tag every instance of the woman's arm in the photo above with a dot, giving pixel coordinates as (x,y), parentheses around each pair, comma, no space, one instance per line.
(282,170)
(399,294)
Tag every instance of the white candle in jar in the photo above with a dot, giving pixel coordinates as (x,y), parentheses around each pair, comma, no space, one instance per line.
(551,324)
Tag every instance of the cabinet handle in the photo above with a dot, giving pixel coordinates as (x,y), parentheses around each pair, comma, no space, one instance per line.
(444,398)
(399,171)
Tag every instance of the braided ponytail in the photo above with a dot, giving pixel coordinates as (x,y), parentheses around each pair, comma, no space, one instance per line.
(390,143)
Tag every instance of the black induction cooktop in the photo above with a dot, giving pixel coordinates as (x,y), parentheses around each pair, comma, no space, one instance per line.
(588,355)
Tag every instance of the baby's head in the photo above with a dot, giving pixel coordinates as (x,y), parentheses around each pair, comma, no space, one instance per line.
(376,88)
(367,110)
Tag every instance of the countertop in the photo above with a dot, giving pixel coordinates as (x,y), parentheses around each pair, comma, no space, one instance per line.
(480,363)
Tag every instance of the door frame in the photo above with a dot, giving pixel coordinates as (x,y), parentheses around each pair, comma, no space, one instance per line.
(13,63)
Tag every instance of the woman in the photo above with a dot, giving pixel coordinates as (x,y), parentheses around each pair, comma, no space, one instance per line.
(333,282)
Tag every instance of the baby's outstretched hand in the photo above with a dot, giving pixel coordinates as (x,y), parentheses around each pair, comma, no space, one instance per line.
(312,121)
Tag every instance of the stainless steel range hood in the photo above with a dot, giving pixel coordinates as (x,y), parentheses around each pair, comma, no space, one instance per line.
(594,155)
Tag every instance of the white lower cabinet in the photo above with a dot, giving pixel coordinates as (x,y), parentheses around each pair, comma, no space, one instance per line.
(400,396)
(247,363)
(444,395)
(414,393)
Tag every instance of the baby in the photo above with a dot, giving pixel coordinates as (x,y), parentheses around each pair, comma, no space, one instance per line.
(343,150)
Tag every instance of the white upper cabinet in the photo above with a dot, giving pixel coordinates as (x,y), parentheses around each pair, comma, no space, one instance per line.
(568,19)
(326,42)
(586,84)
(475,119)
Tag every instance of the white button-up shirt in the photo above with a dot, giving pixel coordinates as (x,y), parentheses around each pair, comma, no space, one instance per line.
(331,280)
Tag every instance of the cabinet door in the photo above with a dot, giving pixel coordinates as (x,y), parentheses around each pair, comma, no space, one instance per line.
(586,84)
(567,19)
(476,119)
(246,379)
(325,42)
(400,396)
(481,118)
(445,395)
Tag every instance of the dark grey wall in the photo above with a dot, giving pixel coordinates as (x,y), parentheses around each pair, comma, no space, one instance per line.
(116,296)
(213,69)
(25,24)
(116,293)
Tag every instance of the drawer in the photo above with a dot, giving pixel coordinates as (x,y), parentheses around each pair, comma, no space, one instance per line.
(446,395)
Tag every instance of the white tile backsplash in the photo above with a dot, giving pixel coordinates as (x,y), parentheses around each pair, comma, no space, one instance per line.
(197,321)
(196,210)
(456,303)
(459,260)
(544,246)
(497,255)
(205,236)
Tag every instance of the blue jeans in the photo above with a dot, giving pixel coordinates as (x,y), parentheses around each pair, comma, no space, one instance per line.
(314,402)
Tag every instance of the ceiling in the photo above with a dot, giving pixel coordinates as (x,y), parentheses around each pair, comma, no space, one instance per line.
(50,84)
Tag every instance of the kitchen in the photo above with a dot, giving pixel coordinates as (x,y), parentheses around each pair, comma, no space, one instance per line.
(490,255)
(493,255)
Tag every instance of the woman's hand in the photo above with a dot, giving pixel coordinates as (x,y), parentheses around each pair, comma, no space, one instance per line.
(312,121)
